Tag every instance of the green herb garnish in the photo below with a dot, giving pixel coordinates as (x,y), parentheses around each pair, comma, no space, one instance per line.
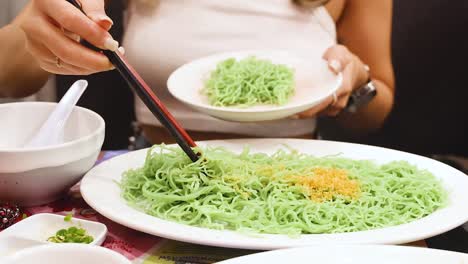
(68,218)
(71,235)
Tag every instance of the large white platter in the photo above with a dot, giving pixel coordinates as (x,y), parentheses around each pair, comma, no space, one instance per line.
(353,254)
(100,190)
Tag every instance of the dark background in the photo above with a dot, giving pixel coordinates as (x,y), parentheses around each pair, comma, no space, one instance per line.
(429,53)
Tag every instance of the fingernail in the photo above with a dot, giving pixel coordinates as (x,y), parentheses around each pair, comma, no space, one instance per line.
(335,65)
(111,44)
(121,50)
(103,20)
(106,22)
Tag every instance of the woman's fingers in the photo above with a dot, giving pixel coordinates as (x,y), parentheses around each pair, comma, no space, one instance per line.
(335,108)
(53,29)
(51,63)
(96,12)
(63,68)
(68,50)
(343,93)
(353,71)
(41,33)
(338,58)
(340,61)
(73,20)
(76,54)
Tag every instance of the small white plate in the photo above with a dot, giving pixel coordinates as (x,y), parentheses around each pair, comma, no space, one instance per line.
(66,253)
(314,82)
(36,229)
(353,254)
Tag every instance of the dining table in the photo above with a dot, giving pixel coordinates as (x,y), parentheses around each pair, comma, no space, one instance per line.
(143,248)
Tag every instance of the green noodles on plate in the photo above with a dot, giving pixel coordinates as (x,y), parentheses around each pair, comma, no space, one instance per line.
(283,193)
(249,82)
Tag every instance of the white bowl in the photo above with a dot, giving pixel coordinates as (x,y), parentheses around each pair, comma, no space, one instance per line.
(67,253)
(41,175)
(314,82)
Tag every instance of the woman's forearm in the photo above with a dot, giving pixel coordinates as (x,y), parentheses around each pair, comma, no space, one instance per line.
(372,116)
(365,28)
(20,74)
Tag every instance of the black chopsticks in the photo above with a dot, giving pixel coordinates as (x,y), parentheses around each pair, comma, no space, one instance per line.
(149,98)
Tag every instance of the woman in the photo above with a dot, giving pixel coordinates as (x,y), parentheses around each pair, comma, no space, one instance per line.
(162,35)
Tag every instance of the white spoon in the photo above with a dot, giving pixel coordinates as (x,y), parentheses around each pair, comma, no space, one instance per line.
(51,132)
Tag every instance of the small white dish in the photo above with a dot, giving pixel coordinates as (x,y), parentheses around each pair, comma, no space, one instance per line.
(66,253)
(314,82)
(36,229)
(364,254)
(35,176)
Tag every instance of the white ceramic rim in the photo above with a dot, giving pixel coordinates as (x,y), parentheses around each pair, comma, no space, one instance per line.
(98,131)
(91,248)
(358,249)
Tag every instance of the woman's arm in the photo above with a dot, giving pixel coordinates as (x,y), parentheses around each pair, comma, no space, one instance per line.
(365,29)
(43,39)
(20,73)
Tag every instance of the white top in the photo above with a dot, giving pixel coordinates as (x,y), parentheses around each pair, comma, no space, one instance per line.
(164,35)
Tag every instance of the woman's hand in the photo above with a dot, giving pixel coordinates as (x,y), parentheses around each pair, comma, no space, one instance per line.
(53,29)
(355,74)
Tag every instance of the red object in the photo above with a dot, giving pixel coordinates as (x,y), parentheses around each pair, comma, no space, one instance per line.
(153,103)
(9,215)
(159,104)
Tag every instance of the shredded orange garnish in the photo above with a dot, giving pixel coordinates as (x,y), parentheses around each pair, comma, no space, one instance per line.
(327,183)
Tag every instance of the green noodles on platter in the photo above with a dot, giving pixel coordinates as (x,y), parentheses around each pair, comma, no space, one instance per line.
(249,82)
(282,193)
